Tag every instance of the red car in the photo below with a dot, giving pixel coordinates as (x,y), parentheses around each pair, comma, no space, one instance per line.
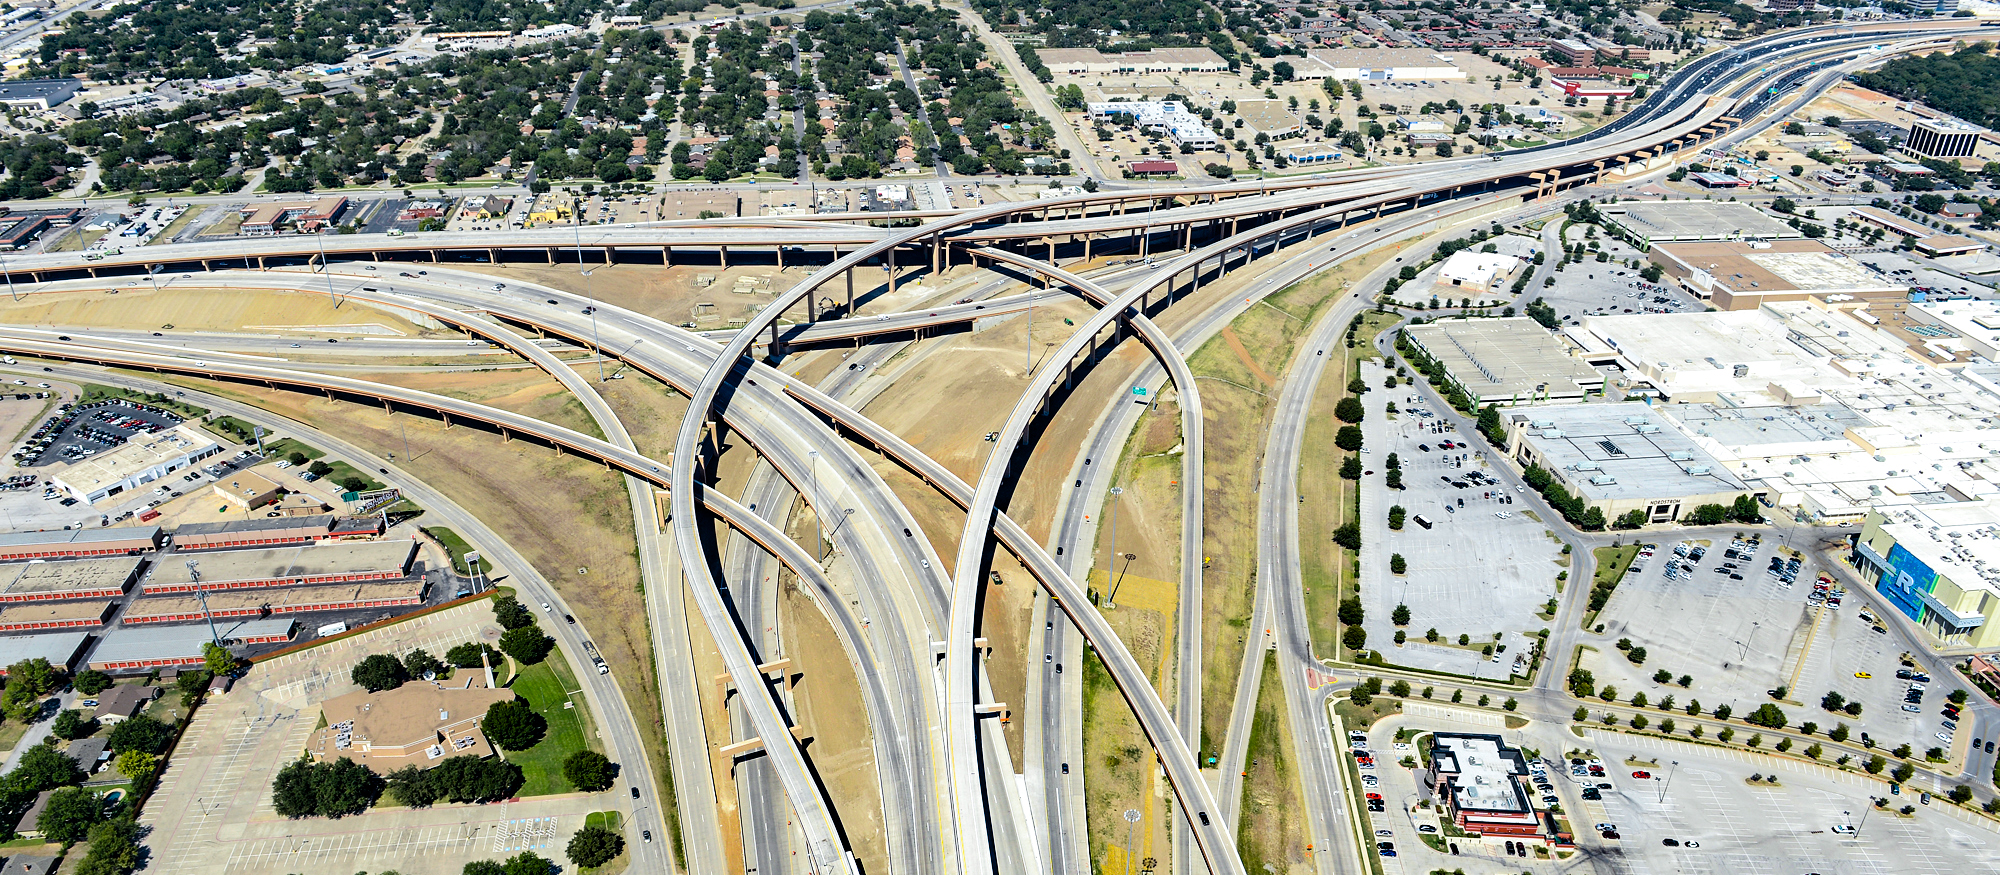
(1375,796)
(1642,775)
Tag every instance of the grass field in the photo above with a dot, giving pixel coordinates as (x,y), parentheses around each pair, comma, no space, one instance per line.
(453,544)
(283,447)
(1612,563)
(95,392)
(1272,827)
(546,687)
(1329,571)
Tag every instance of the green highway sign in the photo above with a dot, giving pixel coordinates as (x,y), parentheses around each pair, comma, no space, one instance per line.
(1138,390)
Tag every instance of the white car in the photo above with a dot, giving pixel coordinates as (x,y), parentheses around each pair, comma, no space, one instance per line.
(283,465)
(1843,829)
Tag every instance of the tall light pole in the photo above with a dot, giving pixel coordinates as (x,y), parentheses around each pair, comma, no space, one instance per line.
(201,595)
(1115,492)
(576,206)
(10,279)
(819,534)
(325,269)
(1669,781)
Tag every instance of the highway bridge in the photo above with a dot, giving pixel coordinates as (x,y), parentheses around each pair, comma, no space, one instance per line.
(941,766)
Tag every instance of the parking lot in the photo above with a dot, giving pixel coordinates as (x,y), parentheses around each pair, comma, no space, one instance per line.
(1761,829)
(212,811)
(84,430)
(1477,565)
(1740,639)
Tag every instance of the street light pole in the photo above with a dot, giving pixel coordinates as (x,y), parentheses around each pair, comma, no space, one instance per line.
(1115,492)
(1669,781)
(819,535)
(577,207)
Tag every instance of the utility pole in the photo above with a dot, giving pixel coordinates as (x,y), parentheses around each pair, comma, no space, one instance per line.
(325,268)
(201,595)
(1115,492)
(576,206)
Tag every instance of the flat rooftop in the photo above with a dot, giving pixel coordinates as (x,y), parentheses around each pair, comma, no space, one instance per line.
(78,537)
(1622,451)
(1747,268)
(1265,116)
(32,578)
(1513,358)
(323,521)
(1485,777)
(141,643)
(1696,220)
(320,558)
(143,452)
(283,600)
(1960,540)
(56,647)
(53,612)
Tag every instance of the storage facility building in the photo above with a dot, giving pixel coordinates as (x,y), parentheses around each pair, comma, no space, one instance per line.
(63,650)
(120,541)
(79,579)
(38,616)
(263,532)
(319,562)
(140,649)
(272,602)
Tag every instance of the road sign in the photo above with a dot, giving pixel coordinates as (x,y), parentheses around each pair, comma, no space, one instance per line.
(1139,390)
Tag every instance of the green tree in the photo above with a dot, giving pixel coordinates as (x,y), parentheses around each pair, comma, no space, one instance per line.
(1398,565)
(1351,612)
(594,846)
(217,659)
(1348,438)
(72,725)
(90,682)
(1767,715)
(140,732)
(1400,616)
(1350,468)
(114,848)
(467,655)
(419,662)
(511,614)
(42,768)
(69,815)
(1875,764)
(1355,638)
(379,672)
(137,765)
(1902,773)
(412,786)
(513,725)
(589,771)
(527,644)
(1349,409)
(1400,689)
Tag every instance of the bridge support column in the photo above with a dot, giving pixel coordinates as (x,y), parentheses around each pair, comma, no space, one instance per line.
(725,256)
(666,256)
(892,270)
(260,265)
(610,255)
(937,251)
(1052,257)
(447,418)
(774,338)
(781,256)
(205,265)
(1145,240)
(849,273)
(1087,238)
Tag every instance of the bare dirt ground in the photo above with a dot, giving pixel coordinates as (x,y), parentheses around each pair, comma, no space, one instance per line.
(525,391)
(16,417)
(650,409)
(194,309)
(674,294)
(1118,762)
(843,747)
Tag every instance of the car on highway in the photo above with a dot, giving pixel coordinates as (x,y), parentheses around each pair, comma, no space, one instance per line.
(647,833)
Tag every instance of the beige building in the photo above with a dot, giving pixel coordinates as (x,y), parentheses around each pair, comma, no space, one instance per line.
(145,459)
(1620,458)
(1746,274)
(418,723)
(248,489)
(1077,62)
(1506,361)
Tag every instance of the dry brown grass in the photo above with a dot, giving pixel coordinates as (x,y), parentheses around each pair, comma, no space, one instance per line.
(843,747)
(196,309)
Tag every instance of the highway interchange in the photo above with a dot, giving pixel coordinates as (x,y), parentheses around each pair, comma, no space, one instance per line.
(948,790)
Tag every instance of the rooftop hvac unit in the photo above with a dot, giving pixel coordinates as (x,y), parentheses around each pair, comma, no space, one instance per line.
(1586,466)
(1635,421)
(1680,455)
(1553,433)
(1604,480)
(1740,371)
(1648,428)
(1697,470)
